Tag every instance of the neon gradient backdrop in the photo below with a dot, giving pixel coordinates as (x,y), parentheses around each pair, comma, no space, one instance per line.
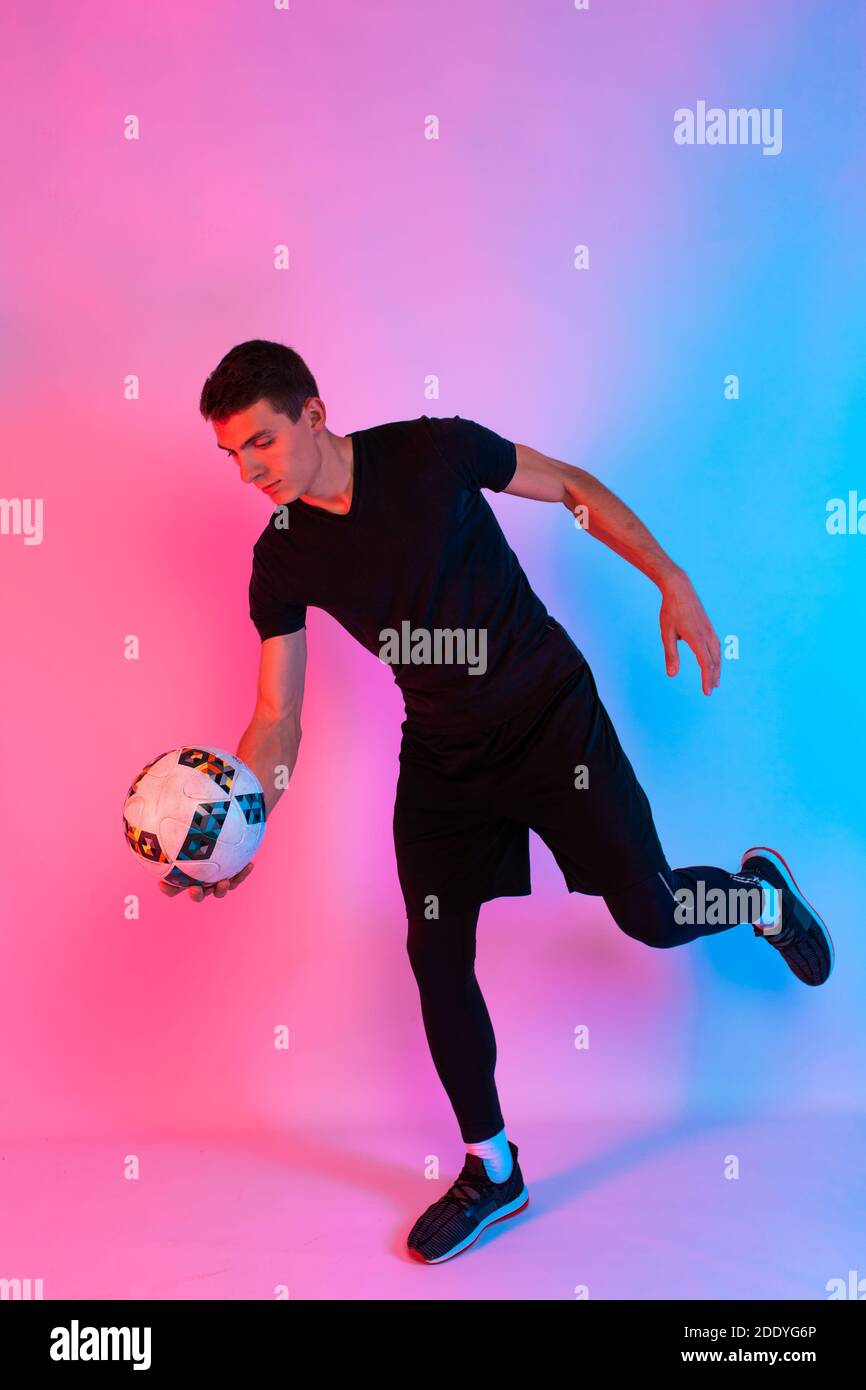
(412,257)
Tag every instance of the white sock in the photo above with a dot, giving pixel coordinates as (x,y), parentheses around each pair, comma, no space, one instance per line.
(496,1154)
(771,916)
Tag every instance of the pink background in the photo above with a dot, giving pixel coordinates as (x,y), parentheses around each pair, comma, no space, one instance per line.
(411,257)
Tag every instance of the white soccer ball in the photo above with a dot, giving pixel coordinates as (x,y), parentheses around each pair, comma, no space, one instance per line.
(194,815)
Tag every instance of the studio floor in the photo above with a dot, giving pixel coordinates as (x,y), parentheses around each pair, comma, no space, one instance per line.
(616,1211)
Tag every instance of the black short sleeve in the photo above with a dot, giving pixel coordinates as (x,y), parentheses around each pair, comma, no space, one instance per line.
(273,612)
(486,458)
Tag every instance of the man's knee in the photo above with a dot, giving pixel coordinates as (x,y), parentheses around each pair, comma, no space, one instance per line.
(441,949)
(422,947)
(645,912)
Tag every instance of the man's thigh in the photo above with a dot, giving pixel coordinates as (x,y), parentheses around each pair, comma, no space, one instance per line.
(454,848)
(576,788)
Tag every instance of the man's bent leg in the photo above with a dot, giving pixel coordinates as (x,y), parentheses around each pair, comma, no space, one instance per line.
(458,1027)
(675,906)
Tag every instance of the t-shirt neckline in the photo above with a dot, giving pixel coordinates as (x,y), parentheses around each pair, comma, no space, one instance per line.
(341,517)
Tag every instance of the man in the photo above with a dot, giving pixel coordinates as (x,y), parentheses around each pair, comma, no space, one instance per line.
(387,529)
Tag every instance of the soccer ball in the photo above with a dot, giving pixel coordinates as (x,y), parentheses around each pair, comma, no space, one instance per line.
(194,815)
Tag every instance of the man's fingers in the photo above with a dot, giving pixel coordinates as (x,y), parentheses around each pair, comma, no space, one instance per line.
(709,668)
(672,656)
(716,659)
(199,891)
(712,664)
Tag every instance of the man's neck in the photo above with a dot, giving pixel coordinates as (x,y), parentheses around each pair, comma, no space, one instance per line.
(334,483)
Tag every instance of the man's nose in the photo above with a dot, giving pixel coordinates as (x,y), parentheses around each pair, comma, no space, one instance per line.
(249,473)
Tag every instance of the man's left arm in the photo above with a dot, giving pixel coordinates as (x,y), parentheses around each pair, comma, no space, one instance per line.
(604,516)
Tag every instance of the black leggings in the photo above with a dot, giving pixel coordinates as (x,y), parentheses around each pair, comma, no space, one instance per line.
(458,1027)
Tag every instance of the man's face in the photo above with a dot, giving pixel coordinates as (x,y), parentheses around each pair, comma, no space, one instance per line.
(271,453)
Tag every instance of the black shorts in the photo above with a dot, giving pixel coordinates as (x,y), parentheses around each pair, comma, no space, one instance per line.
(465,805)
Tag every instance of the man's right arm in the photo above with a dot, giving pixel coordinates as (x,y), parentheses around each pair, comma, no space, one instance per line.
(270,741)
(269,744)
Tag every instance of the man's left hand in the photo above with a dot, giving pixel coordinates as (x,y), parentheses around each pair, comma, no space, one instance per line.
(682,618)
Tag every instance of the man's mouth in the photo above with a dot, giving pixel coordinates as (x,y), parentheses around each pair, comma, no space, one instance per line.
(270,487)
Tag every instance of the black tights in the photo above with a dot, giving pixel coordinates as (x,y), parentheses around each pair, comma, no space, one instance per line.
(458,1027)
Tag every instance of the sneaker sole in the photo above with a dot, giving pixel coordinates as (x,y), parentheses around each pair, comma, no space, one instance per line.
(775,858)
(501,1214)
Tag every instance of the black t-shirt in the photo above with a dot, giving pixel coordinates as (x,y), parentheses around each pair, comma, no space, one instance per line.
(419,571)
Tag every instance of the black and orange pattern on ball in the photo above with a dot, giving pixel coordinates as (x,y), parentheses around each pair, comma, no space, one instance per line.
(145,843)
(212,766)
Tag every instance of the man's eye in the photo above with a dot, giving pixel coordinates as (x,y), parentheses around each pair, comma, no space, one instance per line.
(266,444)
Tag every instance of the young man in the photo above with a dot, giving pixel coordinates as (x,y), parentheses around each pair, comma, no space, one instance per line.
(388,530)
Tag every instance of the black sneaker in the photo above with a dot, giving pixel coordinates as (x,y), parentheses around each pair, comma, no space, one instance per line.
(803,940)
(470,1205)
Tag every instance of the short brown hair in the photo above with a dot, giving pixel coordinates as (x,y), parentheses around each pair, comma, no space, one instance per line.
(258,370)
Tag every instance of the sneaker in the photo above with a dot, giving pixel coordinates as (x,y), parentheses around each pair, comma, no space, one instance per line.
(470,1205)
(803,938)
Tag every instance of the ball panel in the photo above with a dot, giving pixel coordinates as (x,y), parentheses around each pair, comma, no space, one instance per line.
(151,767)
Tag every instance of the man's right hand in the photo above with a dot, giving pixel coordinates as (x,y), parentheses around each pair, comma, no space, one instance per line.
(197,891)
